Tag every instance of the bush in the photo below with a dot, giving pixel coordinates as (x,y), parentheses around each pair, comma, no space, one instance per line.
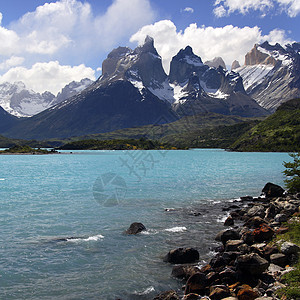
(293,173)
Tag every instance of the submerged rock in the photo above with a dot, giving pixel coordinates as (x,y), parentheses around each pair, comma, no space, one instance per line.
(135,228)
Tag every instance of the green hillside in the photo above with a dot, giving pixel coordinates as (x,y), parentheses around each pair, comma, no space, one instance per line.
(279,132)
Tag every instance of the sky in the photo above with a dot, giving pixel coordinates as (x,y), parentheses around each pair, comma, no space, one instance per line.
(47,44)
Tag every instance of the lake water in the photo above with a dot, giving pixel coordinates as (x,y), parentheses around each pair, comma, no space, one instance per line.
(62,217)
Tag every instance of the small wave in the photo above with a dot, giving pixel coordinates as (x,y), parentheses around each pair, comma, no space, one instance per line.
(222,219)
(88,239)
(176,229)
(146,291)
(149,232)
(2,179)
(170,209)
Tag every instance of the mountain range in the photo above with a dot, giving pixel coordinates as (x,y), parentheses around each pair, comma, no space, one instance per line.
(134,90)
(271,74)
(19,101)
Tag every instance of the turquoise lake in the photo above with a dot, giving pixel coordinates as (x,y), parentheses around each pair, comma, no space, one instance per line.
(62,217)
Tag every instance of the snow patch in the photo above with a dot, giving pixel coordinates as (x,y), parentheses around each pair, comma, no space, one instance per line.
(254,75)
(193,61)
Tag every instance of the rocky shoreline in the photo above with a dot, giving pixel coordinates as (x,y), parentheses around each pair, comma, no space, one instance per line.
(246,266)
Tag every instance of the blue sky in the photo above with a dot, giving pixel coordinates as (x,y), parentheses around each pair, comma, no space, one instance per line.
(47,44)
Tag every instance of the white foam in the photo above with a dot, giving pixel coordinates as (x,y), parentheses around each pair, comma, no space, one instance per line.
(146,291)
(89,239)
(176,229)
(2,179)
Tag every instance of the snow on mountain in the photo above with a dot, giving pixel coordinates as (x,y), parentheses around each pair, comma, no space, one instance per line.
(271,74)
(19,101)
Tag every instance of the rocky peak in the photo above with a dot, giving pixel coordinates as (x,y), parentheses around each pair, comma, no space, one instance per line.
(184,64)
(110,64)
(147,47)
(216,62)
(256,56)
(235,65)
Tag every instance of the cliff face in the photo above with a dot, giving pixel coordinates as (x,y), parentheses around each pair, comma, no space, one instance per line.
(256,57)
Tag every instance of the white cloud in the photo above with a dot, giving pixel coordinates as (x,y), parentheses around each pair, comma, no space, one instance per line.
(207,42)
(49,76)
(227,7)
(11,62)
(69,27)
(189,10)
(8,40)
(291,7)
(220,11)
(67,31)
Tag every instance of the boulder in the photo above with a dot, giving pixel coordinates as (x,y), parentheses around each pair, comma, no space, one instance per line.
(252,263)
(263,233)
(184,271)
(271,211)
(228,276)
(229,221)
(182,256)
(229,234)
(289,248)
(135,228)
(272,190)
(219,292)
(280,218)
(247,293)
(256,211)
(232,245)
(168,295)
(255,222)
(278,259)
(197,283)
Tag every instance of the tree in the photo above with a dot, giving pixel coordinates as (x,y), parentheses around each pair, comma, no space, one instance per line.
(293,173)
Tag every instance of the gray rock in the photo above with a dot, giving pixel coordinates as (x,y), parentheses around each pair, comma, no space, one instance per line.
(280,218)
(182,256)
(257,210)
(252,264)
(135,228)
(288,248)
(229,234)
(278,259)
(232,245)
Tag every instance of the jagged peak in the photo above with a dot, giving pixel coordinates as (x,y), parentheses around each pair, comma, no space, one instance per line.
(216,62)
(119,52)
(188,56)
(147,47)
(235,64)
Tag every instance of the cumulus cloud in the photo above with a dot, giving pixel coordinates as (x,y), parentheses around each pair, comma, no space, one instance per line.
(68,28)
(65,31)
(207,42)
(227,7)
(189,10)
(49,76)
(11,62)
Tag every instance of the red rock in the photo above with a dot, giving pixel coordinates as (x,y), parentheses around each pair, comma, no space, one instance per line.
(263,233)
(247,293)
